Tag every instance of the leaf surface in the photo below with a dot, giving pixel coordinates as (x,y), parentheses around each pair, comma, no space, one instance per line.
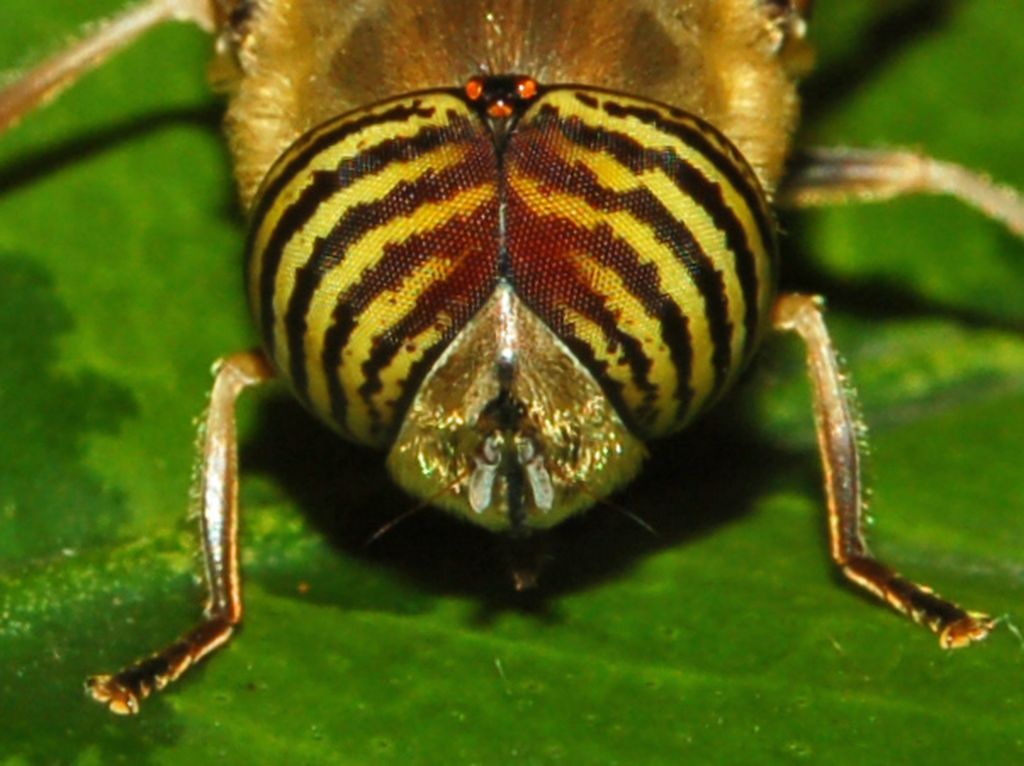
(723,638)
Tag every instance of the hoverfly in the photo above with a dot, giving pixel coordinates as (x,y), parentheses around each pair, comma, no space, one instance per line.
(510,256)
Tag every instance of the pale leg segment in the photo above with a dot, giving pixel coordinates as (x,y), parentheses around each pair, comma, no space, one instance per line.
(835,175)
(837,441)
(123,692)
(45,81)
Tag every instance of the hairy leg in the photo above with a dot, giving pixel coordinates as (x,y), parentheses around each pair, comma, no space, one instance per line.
(837,442)
(835,175)
(124,691)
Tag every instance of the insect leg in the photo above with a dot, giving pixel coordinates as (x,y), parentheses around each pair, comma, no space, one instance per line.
(837,441)
(833,175)
(44,82)
(123,692)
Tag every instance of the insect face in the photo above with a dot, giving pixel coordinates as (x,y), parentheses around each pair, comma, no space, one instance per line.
(518,282)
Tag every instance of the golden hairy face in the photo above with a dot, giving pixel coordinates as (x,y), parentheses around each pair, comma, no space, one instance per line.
(511,286)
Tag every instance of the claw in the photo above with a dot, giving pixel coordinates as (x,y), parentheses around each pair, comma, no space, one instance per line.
(965,631)
(108,691)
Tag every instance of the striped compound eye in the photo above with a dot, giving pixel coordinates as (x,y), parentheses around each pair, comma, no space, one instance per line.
(511,286)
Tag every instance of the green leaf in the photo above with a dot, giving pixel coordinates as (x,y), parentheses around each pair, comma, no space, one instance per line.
(726,637)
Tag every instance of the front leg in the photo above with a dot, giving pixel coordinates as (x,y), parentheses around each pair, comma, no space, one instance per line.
(835,175)
(123,692)
(837,441)
(44,82)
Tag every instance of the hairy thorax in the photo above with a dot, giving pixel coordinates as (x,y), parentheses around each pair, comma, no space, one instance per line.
(717,59)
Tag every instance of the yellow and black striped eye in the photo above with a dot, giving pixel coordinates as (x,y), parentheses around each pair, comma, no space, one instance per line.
(635,232)
(641,237)
(374,241)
